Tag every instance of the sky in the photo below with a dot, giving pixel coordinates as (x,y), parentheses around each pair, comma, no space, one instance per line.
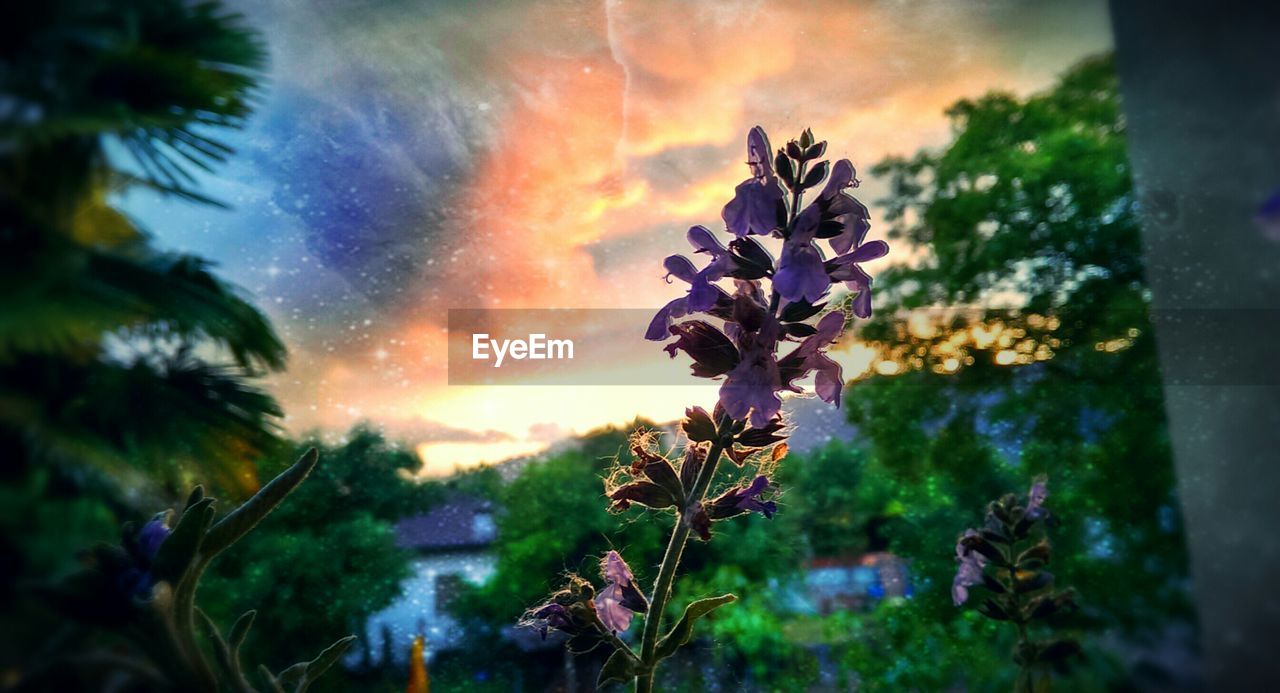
(408,158)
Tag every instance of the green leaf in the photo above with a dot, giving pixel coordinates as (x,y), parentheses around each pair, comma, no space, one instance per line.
(220,649)
(618,667)
(683,630)
(273,683)
(182,545)
(240,629)
(197,494)
(244,518)
(316,667)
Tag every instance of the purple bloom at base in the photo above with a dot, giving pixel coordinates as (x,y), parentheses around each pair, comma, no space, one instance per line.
(151,536)
(137,580)
(1268,216)
(1035,500)
(550,616)
(969,572)
(617,603)
(755,204)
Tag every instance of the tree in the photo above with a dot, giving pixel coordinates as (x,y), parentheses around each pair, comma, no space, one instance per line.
(326,560)
(114,354)
(1023,345)
(121,366)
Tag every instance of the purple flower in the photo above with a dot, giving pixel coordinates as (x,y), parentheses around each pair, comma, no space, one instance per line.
(845,269)
(969,572)
(771,304)
(1268,216)
(549,616)
(137,580)
(811,357)
(151,536)
(713,354)
(751,388)
(1036,498)
(736,501)
(801,275)
(852,215)
(621,599)
(757,200)
(743,499)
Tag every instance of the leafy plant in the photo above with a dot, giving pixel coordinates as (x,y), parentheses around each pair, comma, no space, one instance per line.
(1007,559)
(773,303)
(143,592)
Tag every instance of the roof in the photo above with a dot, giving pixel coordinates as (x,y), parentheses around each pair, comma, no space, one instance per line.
(463,522)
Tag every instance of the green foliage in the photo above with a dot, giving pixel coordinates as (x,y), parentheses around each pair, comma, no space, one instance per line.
(1030,207)
(327,560)
(902,645)
(554,521)
(95,314)
(140,603)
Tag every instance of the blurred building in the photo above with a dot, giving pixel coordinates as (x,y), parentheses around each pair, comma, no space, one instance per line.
(453,546)
(850,583)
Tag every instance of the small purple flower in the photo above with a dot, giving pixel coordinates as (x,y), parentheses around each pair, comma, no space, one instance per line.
(751,388)
(801,274)
(852,215)
(743,499)
(151,536)
(549,616)
(969,572)
(137,580)
(618,602)
(1268,216)
(756,201)
(1035,500)
(810,356)
(845,269)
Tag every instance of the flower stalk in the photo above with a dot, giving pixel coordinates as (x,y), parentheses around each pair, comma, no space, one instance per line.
(670,562)
(771,331)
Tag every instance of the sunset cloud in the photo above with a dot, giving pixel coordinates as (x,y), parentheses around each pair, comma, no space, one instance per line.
(412,158)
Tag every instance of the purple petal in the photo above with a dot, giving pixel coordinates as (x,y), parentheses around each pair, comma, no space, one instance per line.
(829,379)
(614,616)
(659,327)
(759,153)
(614,569)
(842,176)
(801,274)
(680,267)
(754,207)
(701,238)
(151,536)
(862,302)
(869,251)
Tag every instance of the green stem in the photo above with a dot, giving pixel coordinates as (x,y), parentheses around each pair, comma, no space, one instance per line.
(670,561)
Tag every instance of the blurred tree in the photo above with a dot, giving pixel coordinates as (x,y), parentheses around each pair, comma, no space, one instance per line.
(112,353)
(326,560)
(1022,344)
(120,365)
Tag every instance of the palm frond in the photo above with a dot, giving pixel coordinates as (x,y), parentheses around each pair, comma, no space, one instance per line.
(165,417)
(159,76)
(62,297)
